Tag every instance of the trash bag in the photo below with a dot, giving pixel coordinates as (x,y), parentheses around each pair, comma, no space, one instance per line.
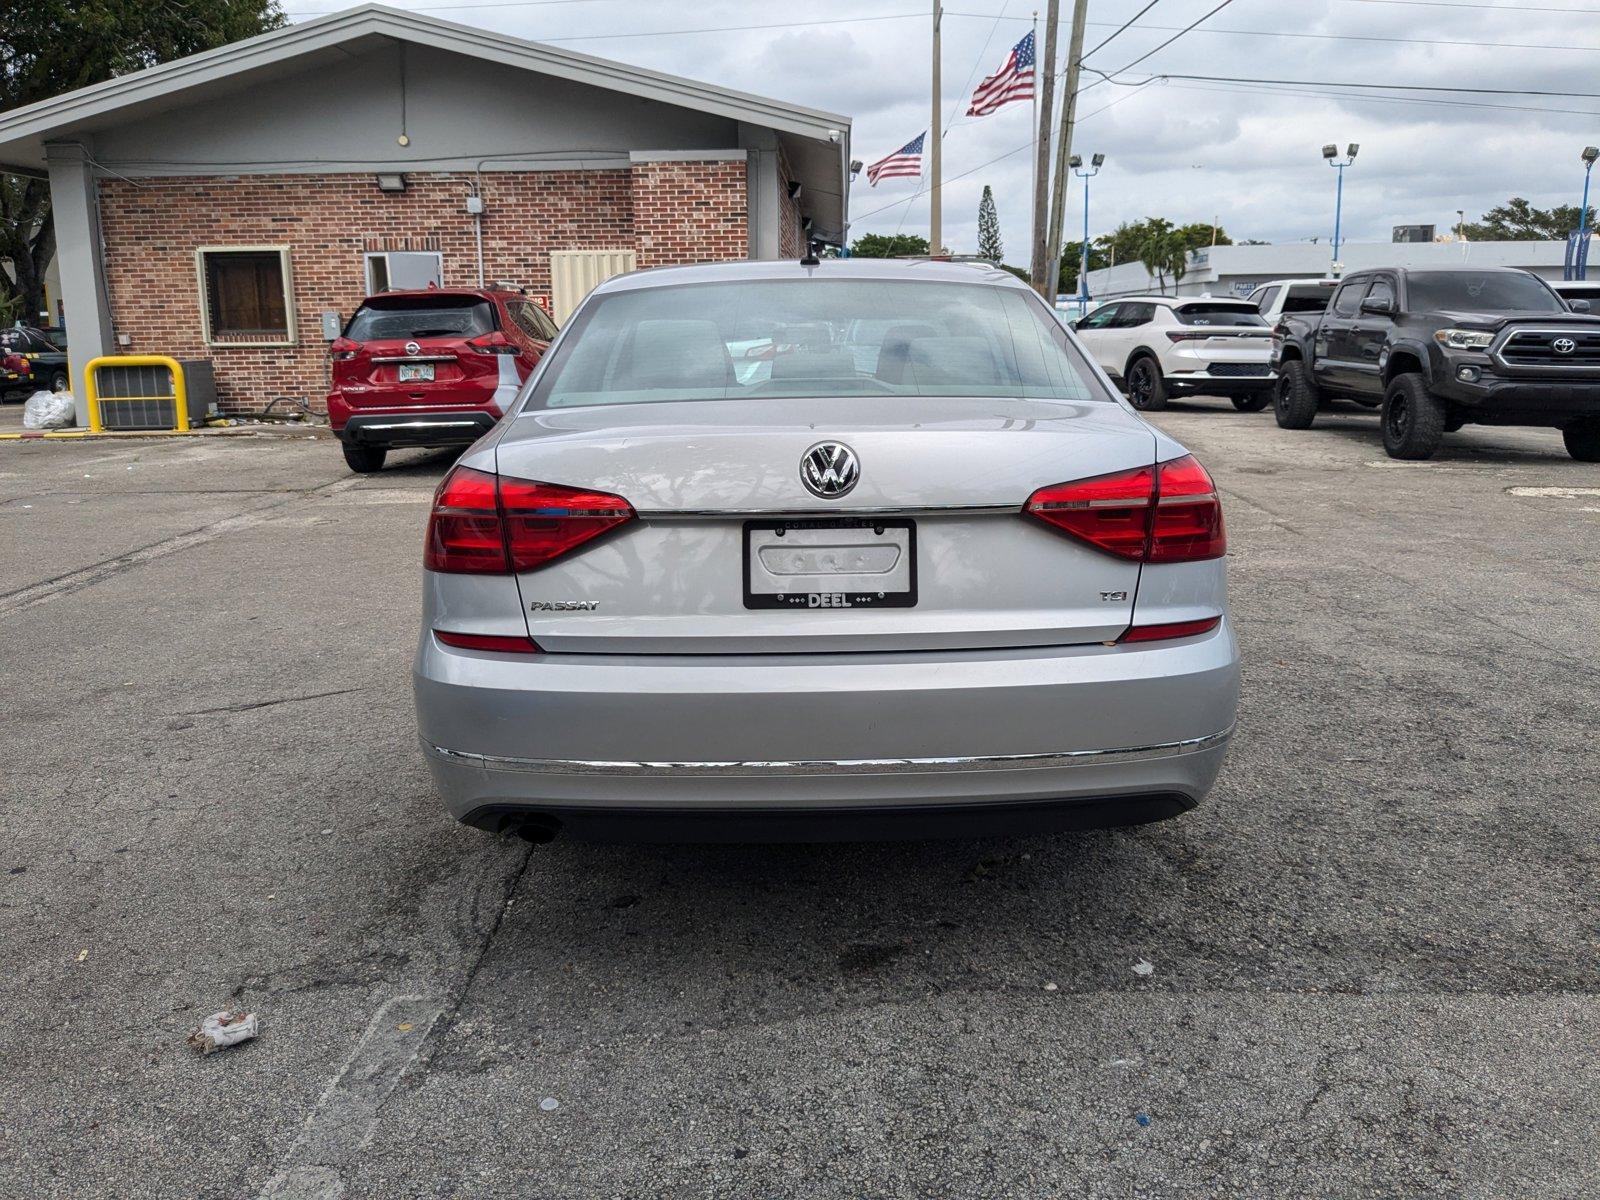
(49,410)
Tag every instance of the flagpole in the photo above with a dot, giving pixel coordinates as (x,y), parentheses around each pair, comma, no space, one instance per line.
(936,132)
(1069,112)
(1038,275)
(1035,109)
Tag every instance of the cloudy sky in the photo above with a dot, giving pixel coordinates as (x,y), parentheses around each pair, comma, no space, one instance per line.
(1247,154)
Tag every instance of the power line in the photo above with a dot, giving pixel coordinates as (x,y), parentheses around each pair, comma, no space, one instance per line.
(1510,8)
(1341,83)
(1121,28)
(1165,44)
(1252,90)
(998,158)
(977,63)
(1361,37)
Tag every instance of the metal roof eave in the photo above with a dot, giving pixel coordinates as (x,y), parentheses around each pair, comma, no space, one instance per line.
(61,113)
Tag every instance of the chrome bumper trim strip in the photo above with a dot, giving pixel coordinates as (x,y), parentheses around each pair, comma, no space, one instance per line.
(840,766)
(808,514)
(422,425)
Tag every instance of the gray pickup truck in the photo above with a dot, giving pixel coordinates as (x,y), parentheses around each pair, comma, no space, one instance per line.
(1438,349)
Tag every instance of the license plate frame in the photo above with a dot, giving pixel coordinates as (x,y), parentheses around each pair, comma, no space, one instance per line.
(416,373)
(836,599)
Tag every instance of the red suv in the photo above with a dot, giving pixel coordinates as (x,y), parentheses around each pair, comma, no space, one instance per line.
(430,368)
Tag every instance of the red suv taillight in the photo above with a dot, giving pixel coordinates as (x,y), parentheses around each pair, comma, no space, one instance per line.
(1162,514)
(343,348)
(15,362)
(485,524)
(492,343)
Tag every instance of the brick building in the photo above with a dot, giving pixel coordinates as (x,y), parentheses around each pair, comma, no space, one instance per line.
(237,205)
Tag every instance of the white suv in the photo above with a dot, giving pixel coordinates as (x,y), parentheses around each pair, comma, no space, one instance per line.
(1158,347)
(1279,296)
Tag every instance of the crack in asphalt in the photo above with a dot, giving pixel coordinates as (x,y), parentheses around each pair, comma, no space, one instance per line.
(252,705)
(33,594)
(401,1034)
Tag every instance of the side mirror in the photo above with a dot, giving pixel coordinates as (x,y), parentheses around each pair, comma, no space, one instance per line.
(1578,306)
(1378,308)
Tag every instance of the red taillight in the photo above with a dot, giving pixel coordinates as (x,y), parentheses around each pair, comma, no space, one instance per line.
(1163,514)
(1188,514)
(465,536)
(544,521)
(1182,336)
(498,643)
(15,362)
(492,343)
(486,524)
(1177,629)
(1110,512)
(343,348)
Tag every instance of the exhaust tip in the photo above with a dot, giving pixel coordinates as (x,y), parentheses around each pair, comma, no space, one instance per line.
(537,829)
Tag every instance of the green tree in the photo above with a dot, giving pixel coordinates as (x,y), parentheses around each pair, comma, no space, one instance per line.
(1162,250)
(1199,234)
(48,47)
(887,245)
(1072,259)
(1518,221)
(989,228)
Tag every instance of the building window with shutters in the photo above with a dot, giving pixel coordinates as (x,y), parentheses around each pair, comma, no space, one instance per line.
(246,295)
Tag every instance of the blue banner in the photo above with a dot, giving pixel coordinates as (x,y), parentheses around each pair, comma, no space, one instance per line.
(1576,263)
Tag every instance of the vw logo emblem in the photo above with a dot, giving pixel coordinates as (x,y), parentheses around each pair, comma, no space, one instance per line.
(413,348)
(829,470)
(1563,345)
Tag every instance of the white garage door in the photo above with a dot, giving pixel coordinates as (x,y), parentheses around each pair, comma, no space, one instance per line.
(576,273)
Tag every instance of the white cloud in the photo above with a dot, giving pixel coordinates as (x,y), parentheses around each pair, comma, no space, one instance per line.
(1188,150)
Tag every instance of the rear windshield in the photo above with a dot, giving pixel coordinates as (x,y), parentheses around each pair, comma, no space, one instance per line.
(810,337)
(25,341)
(1307,299)
(1491,291)
(1220,314)
(386,317)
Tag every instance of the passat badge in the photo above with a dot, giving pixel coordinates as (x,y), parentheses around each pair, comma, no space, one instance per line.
(829,470)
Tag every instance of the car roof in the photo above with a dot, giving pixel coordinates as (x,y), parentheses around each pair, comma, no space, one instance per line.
(1174,301)
(1303,280)
(435,292)
(925,270)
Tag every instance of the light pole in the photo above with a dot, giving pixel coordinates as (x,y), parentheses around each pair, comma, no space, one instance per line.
(1590,153)
(1331,153)
(1076,163)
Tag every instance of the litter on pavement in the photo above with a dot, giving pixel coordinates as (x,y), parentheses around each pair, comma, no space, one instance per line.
(48,410)
(223,1029)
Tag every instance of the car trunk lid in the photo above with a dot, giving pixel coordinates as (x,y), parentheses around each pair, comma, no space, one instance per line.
(730,551)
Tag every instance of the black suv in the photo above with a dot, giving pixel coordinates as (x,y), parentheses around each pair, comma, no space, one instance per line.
(1439,349)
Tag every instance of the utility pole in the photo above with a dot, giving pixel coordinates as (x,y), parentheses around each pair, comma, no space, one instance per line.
(936,132)
(1069,114)
(1039,273)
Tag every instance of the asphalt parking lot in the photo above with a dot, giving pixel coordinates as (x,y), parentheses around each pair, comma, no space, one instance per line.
(1375,948)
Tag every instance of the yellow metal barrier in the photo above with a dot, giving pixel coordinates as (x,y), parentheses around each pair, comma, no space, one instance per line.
(179,396)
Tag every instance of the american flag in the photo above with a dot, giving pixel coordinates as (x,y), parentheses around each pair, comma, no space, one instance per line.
(1013,81)
(904,163)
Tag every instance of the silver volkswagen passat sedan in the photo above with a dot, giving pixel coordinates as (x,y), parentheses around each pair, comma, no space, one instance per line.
(822,550)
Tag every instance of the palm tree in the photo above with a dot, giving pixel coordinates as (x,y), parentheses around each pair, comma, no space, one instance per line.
(1161,251)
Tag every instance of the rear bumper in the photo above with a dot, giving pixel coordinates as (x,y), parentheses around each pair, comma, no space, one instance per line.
(392,430)
(1074,735)
(994,819)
